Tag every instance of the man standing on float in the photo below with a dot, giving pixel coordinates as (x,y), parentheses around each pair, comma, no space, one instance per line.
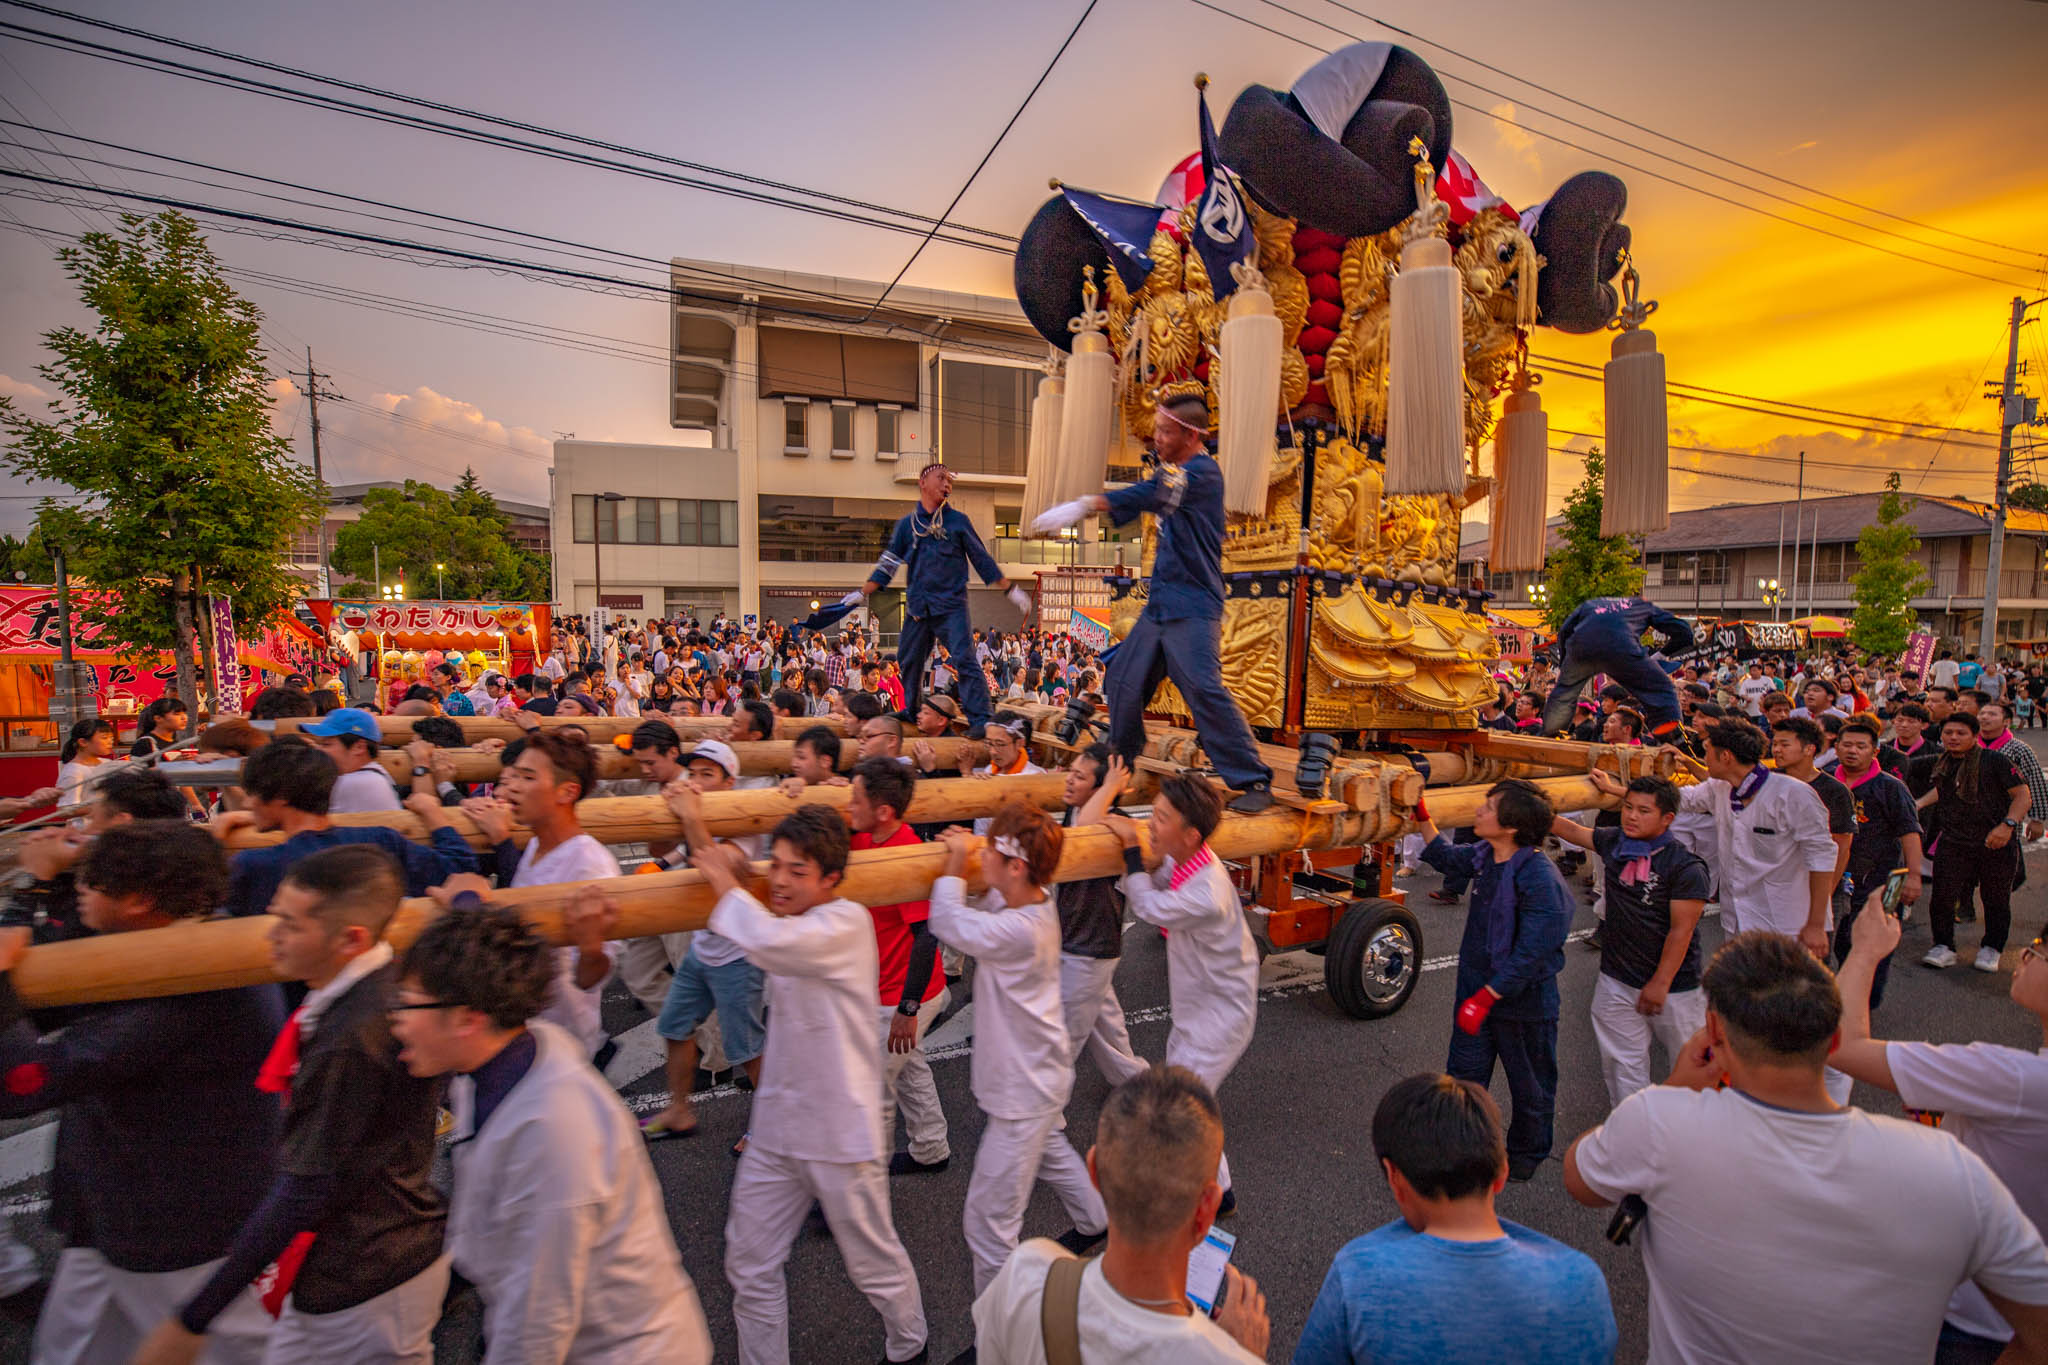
(936,543)
(1179,633)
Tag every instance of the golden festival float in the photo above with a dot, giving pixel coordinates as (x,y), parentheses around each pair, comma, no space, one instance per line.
(1353,302)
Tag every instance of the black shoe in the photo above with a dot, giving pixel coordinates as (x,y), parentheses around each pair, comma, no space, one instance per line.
(1594,941)
(1229,1204)
(603,1056)
(1252,799)
(1966,914)
(1079,1242)
(1442,897)
(924,1354)
(966,1357)
(1522,1169)
(903,1163)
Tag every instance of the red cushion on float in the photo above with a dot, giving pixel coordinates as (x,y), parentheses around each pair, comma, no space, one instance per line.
(1315,365)
(1322,261)
(1316,340)
(1316,393)
(1308,238)
(1323,313)
(1326,287)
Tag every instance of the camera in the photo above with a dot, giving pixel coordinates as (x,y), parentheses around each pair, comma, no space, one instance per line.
(1628,1216)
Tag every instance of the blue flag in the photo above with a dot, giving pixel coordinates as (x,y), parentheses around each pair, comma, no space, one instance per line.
(1125,228)
(1223,229)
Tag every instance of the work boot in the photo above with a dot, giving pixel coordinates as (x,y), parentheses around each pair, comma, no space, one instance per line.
(1252,799)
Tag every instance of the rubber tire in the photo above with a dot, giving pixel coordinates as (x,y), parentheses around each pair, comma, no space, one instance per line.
(1344,963)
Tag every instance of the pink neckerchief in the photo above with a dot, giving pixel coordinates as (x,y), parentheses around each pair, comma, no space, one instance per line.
(2003,740)
(1918,745)
(1852,783)
(1182,871)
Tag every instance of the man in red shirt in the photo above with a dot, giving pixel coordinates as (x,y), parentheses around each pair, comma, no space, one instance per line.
(912,992)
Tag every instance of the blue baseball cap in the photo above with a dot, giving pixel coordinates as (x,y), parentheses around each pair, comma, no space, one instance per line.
(346,721)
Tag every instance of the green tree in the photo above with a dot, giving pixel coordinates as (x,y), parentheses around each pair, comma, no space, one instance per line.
(2030,495)
(163,431)
(1890,578)
(408,531)
(1588,565)
(26,560)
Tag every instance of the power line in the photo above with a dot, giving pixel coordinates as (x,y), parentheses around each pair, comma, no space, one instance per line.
(980,165)
(981,240)
(1606,156)
(1677,141)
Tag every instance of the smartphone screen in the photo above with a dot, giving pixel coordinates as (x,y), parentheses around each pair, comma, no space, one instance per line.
(1894,891)
(1205,1268)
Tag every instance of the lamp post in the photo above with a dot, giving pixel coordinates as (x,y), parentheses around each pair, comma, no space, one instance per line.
(1767,589)
(440,588)
(597,545)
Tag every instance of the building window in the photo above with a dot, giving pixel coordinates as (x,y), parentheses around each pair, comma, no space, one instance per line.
(796,427)
(842,429)
(1501,582)
(984,416)
(886,421)
(1008,521)
(1834,563)
(656,521)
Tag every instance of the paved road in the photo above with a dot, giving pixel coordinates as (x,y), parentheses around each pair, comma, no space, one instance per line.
(1298,1110)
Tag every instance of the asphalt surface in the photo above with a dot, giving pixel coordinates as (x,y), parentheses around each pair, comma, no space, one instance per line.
(1297,1110)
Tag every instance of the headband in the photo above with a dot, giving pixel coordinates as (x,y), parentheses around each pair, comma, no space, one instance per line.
(1170,415)
(1008,846)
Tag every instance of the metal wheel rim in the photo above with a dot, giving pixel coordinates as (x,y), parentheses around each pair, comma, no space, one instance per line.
(1388,964)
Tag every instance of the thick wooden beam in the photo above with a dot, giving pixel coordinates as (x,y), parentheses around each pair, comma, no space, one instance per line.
(398,729)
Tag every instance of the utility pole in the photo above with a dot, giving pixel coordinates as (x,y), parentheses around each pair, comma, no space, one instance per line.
(2010,415)
(1798,525)
(313,397)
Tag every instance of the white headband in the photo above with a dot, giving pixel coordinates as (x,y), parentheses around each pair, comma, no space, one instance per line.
(1170,415)
(1008,846)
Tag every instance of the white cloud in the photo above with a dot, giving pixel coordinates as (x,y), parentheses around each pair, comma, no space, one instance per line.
(21,391)
(422,435)
(1518,141)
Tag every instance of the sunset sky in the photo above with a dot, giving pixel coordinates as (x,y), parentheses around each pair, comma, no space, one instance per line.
(1929,112)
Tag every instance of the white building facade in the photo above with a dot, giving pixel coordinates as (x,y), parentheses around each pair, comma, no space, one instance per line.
(820,407)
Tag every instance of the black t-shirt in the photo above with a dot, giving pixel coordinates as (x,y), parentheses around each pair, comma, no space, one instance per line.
(1841,806)
(1884,816)
(1091,914)
(1639,913)
(1965,817)
(146,744)
(358,1115)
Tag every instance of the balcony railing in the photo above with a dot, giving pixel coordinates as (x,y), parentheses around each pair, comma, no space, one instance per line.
(1018,550)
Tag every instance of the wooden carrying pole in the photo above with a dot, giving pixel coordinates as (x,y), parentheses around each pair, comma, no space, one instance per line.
(220,953)
(398,729)
(758,757)
(730,814)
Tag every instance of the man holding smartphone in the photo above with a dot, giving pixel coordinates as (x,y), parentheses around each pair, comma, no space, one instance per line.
(1887,835)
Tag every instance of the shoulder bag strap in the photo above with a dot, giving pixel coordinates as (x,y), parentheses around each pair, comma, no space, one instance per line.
(1059,1311)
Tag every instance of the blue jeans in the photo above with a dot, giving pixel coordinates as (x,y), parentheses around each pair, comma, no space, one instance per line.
(956,633)
(1187,652)
(1527,1052)
(734,990)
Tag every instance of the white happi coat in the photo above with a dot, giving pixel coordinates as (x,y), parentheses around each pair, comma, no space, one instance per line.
(1212,966)
(1021,1066)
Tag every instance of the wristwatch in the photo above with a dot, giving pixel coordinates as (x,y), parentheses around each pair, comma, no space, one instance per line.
(2011,823)
(418,771)
(909,1008)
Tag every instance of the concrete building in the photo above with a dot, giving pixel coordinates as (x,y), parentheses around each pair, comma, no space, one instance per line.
(1719,561)
(820,401)
(529,527)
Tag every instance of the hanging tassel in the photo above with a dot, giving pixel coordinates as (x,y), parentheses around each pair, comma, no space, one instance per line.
(1088,418)
(1426,360)
(1249,399)
(1636,499)
(1521,481)
(1043,448)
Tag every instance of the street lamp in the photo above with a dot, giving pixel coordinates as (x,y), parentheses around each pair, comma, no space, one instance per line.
(597,543)
(440,588)
(1767,589)
(1539,594)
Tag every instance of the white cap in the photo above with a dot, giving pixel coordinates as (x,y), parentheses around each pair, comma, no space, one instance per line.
(719,752)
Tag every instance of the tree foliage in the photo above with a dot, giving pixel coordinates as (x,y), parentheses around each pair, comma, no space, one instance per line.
(183,489)
(1890,578)
(2030,495)
(27,559)
(1588,564)
(406,532)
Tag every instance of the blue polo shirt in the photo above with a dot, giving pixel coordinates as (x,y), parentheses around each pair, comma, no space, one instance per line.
(1187,570)
(936,562)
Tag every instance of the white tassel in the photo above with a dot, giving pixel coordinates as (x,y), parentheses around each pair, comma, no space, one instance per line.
(1636,499)
(1249,402)
(1521,481)
(1426,374)
(1043,448)
(1088,419)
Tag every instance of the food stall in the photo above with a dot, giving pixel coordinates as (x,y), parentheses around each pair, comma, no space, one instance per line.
(401,641)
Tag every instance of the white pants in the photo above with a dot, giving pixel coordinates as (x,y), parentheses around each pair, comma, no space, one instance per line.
(1013,1153)
(395,1328)
(1095,1018)
(907,1080)
(1411,849)
(1213,1066)
(98,1314)
(771,1196)
(1624,1036)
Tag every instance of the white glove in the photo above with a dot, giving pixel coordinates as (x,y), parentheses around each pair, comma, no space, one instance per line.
(1058,518)
(851,599)
(1020,599)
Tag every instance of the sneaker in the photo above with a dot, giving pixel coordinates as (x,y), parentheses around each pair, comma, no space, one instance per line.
(1078,1242)
(1252,799)
(903,1163)
(1966,914)
(1442,897)
(1939,957)
(1987,960)
(1522,1169)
